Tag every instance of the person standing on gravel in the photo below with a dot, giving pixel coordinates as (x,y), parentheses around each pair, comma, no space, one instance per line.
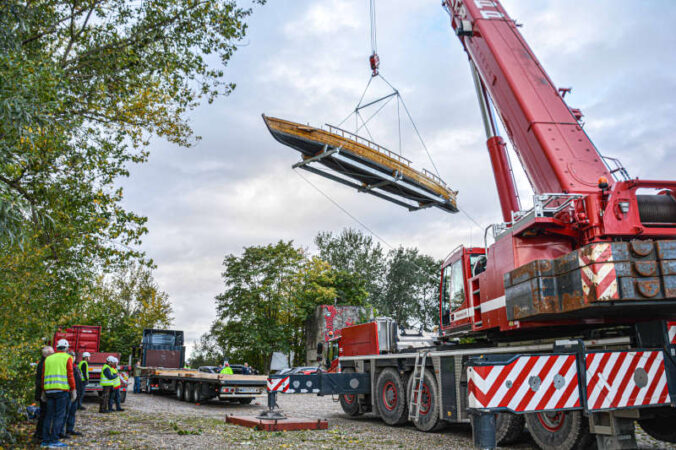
(46,351)
(57,382)
(84,371)
(137,378)
(115,393)
(69,425)
(107,382)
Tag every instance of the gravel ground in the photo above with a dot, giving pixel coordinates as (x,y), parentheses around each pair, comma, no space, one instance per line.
(163,422)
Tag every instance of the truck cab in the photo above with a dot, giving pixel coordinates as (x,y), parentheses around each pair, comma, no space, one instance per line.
(457,273)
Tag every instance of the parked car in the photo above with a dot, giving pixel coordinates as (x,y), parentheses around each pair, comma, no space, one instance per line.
(209,369)
(305,370)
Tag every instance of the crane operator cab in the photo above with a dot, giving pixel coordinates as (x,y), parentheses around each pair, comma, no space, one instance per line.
(456,273)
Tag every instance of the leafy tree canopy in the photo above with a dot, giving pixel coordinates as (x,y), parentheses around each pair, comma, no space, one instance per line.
(84,86)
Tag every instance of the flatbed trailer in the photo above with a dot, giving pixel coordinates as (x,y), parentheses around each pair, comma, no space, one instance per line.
(194,386)
(596,389)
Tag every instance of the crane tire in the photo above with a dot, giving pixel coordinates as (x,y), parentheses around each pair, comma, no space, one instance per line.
(350,403)
(391,397)
(562,430)
(179,390)
(509,428)
(431,402)
(662,426)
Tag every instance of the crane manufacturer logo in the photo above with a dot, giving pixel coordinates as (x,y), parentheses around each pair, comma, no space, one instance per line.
(488,9)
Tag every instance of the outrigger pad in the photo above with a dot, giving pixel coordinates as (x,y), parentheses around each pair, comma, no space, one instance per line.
(288,424)
(364,165)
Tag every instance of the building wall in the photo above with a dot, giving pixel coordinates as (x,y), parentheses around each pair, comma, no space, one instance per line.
(329,318)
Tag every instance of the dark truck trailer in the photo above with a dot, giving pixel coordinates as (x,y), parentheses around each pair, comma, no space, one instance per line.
(191,385)
(162,371)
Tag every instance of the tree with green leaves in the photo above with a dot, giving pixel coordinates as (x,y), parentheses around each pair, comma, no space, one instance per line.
(84,85)
(359,260)
(270,292)
(255,312)
(124,306)
(412,288)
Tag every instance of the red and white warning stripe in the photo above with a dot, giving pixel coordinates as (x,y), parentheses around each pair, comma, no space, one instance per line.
(529,383)
(597,270)
(671,331)
(622,379)
(278,384)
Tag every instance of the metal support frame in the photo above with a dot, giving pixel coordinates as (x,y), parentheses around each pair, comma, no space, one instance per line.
(484,429)
(271,413)
(324,154)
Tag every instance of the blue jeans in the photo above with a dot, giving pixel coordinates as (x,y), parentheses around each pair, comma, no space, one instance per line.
(114,397)
(70,417)
(56,414)
(137,385)
(81,394)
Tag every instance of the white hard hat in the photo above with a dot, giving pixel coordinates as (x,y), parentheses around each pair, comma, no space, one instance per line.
(115,360)
(110,359)
(86,355)
(62,344)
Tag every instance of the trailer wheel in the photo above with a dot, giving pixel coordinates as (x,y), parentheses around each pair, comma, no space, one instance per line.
(662,426)
(559,430)
(350,402)
(391,397)
(197,393)
(509,428)
(187,392)
(429,404)
(179,390)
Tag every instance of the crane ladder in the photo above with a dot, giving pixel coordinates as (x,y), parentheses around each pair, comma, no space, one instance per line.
(416,386)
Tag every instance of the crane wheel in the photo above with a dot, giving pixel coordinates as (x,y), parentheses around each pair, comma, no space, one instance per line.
(350,402)
(560,430)
(391,397)
(179,390)
(509,428)
(662,426)
(430,403)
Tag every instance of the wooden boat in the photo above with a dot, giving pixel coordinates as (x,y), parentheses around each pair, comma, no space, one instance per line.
(357,162)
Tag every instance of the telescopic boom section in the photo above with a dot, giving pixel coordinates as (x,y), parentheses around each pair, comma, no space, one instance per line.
(556,153)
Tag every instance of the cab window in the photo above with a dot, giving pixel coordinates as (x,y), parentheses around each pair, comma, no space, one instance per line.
(453,291)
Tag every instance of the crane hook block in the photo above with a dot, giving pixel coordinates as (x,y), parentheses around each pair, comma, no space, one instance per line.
(374,60)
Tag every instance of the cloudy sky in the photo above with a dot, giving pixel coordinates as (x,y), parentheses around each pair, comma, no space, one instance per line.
(306,60)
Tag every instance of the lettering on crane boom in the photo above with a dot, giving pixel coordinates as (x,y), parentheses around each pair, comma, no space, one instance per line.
(492,12)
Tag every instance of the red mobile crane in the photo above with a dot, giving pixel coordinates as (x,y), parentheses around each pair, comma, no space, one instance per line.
(572,309)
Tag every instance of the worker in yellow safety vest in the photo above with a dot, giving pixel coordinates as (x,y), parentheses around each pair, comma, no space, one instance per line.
(226,370)
(115,394)
(107,382)
(84,372)
(58,381)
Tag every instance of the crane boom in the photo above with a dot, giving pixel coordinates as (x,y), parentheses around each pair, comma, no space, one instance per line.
(556,153)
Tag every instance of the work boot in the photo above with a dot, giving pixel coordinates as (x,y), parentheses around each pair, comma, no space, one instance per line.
(120,409)
(64,436)
(81,408)
(74,433)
